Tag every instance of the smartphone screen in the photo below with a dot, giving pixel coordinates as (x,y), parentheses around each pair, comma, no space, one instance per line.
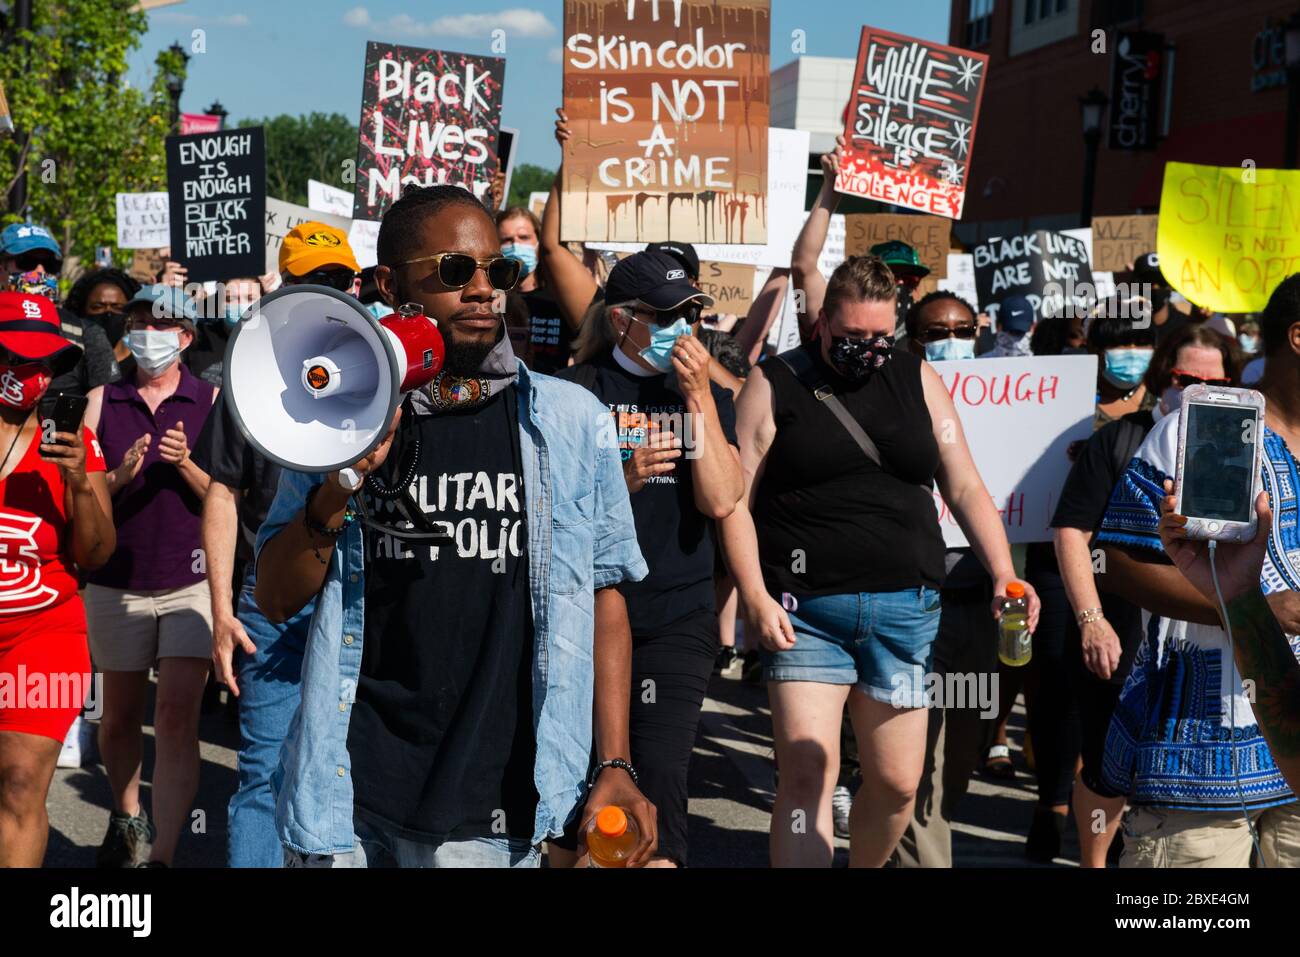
(1219,461)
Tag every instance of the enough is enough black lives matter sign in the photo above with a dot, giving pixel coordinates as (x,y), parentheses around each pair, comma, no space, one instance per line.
(216,185)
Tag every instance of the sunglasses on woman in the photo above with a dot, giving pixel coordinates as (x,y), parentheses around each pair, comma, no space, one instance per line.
(1183,379)
(27,262)
(939,333)
(664,318)
(455,270)
(340,279)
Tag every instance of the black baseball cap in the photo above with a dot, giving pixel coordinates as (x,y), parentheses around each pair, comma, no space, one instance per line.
(1146,268)
(657,279)
(684,253)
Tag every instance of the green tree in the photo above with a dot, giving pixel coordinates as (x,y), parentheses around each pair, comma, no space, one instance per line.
(298,148)
(526,179)
(83,134)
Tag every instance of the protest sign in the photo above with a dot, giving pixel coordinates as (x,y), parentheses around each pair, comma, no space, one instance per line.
(832,253)
(143,220)
(1117,241)
(217,193)
(537,203)
(146,264)
(427,117)
(281,217)
(730,285)
(787,166)
(668,105)
(960,280)
(910,124)
(325,198)
(928,235)
(199,123)
(363,237)
(1045,402)
(1228,235)
(506,156)
(1049,269)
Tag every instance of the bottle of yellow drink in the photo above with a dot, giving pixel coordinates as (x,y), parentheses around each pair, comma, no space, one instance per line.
(612,836)
(1014,647)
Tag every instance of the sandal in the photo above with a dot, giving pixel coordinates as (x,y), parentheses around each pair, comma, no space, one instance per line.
(998,763)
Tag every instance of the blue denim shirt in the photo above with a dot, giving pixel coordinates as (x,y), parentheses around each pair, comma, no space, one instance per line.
(581,537)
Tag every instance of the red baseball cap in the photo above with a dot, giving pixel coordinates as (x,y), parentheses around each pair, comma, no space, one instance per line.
(30,331)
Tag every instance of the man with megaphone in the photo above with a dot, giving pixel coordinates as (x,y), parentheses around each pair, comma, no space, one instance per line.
(459,655)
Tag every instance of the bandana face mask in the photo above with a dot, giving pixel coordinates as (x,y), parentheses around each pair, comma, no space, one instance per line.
(22,386)
(857,358)
(35,284)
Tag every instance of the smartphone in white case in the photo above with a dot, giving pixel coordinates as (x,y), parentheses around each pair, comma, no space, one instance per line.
(1220,444)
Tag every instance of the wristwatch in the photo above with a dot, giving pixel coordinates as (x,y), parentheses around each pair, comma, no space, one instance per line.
(349,479)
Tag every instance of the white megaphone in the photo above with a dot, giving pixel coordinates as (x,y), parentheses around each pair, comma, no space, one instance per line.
(313,379)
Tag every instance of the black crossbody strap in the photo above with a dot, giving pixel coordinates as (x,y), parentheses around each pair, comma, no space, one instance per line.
(800,363)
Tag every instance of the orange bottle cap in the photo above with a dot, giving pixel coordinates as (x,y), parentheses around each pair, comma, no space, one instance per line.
(611,821)
(1015,590)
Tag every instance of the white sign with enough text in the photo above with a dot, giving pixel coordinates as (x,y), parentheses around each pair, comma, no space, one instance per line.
(1020,416)
(787,181)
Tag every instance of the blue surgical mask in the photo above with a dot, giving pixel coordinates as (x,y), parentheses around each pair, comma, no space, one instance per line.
(1126,367)
(233,313)
(524,253)
(660,351)
(950,348)
(1248,343)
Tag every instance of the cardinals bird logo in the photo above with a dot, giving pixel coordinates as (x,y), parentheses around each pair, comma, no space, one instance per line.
(21,589)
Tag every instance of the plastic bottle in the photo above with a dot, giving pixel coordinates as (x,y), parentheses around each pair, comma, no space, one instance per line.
(612,836)
(1014,648)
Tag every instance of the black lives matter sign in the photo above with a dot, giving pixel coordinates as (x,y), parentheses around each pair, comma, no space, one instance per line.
(1049,269)
(216,185)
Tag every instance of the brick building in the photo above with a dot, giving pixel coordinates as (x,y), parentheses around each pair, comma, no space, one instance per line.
(1222,101)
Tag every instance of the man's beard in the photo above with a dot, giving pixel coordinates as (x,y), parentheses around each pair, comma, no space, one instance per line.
(463,358)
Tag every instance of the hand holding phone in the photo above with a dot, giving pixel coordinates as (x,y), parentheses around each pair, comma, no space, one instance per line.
(1220,444)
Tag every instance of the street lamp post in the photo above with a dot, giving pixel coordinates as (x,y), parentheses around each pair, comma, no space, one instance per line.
(220,112)
(1091,107)
(1292,36)
(175,81)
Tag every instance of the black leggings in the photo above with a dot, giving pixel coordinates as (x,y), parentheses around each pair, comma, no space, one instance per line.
(1052,693)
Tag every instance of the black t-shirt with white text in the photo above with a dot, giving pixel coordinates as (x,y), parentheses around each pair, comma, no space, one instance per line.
(441,737)
(676,540)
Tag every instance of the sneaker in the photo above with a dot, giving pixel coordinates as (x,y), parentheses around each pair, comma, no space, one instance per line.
(841,804)
(72,751)
(727,656)
(125,843)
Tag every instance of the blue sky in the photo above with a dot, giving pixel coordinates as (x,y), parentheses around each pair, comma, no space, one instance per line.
(300,56)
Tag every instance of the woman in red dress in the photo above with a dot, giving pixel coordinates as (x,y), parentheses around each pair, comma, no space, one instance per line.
(54,518)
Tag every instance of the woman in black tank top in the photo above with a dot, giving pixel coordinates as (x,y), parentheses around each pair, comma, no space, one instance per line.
(839,557)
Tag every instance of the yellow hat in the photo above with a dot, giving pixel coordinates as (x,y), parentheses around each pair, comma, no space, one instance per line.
(312,246)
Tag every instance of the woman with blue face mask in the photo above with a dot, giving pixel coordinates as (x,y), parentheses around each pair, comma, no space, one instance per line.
(1122,338)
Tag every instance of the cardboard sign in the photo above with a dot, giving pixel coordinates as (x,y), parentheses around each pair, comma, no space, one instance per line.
(1045,267)
(1228,235)
(787,172)
(1117,241)
(730,285)
(281,217)
(427,117)
(928,235)
(911,122)
(143,220)
(146,264)
(537,202)
(668,104)
(217,190)
(324,198)
(1046,402)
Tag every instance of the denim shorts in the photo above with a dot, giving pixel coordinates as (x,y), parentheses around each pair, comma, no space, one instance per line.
(874,641)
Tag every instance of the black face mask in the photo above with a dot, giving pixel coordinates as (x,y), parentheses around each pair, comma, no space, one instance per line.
(857,358)
(113,324)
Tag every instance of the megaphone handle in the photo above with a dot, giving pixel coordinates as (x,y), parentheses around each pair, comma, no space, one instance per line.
(350,479)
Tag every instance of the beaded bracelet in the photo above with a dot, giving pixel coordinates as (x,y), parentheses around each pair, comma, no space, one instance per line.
(613,763)
(1089,615)
(316,528)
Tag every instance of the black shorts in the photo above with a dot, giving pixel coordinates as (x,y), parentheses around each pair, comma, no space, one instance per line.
(670,677)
